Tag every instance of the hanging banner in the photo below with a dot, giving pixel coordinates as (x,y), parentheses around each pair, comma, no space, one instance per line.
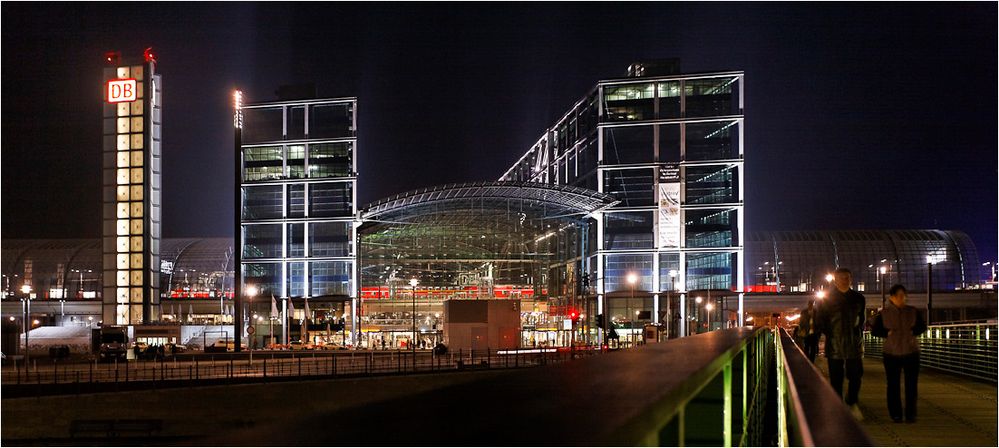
(669,206)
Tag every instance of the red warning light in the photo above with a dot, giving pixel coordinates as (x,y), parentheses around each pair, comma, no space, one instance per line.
(112,57)
(148,55)
(573,314)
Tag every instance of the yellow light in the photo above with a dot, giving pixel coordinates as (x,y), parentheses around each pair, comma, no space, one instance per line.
(820,294)
(632,278)
(883,270)
(829,277)
(251,290)
(26,289)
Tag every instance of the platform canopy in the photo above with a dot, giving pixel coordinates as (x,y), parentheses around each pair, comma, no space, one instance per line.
(500,233)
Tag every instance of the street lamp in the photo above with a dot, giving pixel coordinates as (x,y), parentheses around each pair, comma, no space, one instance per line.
(881,279)
(251,291)
(829,278)
(708,307)
(632,279)
(669,301)
(412,283)
(26,289)
(697,312)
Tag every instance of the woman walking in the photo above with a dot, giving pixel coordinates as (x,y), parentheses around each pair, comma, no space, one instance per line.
(899,324)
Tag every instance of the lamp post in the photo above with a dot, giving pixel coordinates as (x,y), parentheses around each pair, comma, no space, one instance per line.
(881,279)
(632,279)
(250,292)
(929,289)
(26,289)
(412,283)
(697,312)
(237,246)
(669,300)
(708,307)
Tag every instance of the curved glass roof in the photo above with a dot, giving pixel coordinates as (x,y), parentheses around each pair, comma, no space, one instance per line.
(485,235)
(804,257)
(552,197)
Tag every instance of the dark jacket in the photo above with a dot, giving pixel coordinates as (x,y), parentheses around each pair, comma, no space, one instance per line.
(806,327)
(899,327)
(841,318)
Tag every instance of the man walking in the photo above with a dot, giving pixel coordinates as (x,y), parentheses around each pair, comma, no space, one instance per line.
(841,318)
(806,332)
(899,324)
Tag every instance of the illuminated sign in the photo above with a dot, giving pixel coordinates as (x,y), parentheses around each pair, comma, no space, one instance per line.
(121,90)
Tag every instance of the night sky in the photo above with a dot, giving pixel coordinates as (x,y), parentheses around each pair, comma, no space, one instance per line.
(857,116)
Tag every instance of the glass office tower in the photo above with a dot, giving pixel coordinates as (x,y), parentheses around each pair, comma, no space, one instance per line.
(299,196)
(670,147)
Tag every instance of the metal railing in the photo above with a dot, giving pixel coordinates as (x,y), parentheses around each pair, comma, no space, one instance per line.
(963,349)
(709,389)
(810,413)
(74,377)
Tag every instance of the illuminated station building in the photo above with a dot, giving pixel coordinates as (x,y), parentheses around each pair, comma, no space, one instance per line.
(630,206)
(669,147)
(298,206)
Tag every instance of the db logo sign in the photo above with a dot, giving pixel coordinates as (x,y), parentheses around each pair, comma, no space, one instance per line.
(121,90)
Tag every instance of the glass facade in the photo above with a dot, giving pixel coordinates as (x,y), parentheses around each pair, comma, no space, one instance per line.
(669,148)
(299,167)
(793,262)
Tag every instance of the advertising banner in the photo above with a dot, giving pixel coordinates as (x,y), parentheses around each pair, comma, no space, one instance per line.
(669,206)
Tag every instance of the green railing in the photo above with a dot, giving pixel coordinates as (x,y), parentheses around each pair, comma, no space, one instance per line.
(809,411)
(963,349)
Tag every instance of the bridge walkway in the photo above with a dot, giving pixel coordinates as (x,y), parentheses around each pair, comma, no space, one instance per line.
(952,410)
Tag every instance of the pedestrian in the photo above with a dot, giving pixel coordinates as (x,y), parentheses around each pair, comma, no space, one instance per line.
(899,324)
(841,318)
(806,332)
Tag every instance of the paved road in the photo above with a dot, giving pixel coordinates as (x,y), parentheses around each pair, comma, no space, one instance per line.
(952,411)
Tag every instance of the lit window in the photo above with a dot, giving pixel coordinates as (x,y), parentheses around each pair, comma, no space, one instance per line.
(136,210)
(122,142)
(136,227)
(136,141)
(121,295)
(122,227)
(123,159)
(136,124)
(123,125)
(136,175)
(136,244)
(121,317)
(123,210)
(122,244)
(123,109)
(136,192)
(122,193)
(122,261)
(136,312)
(122,279)
(136,294)
(137,72)
(136,158)
(123,72)
(136,107)
(136,279)
(136,261)
(122,176)
(138,90)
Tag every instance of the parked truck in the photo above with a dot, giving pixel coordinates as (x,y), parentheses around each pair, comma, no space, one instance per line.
(113,343)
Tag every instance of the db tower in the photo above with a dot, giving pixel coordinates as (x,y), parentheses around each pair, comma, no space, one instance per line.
(131,218)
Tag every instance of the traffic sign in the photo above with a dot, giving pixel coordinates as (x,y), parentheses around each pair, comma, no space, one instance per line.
(250,330)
